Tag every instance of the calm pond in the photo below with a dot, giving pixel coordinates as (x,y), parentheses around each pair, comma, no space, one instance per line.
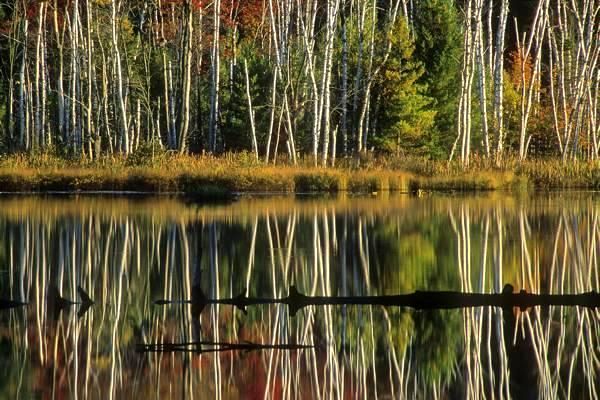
(127,253)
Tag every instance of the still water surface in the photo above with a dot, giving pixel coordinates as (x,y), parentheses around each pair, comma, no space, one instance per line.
(129,252)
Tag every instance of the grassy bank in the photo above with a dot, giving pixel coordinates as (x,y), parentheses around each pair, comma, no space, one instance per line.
(214,177)
(208,176)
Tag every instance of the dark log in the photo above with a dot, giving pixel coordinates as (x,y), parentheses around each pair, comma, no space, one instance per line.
(419,300)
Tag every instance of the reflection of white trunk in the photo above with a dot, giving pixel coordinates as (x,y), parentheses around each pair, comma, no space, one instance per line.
(215,294)
(117,300)
(498,263)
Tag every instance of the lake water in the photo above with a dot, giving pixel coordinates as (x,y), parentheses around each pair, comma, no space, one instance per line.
(126,253)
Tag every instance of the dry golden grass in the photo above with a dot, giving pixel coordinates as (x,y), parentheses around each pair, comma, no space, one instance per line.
(216,176)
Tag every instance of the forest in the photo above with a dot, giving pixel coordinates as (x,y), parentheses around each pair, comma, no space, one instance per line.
(295,80)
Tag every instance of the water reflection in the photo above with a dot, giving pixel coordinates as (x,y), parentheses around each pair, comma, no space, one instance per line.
(128,253)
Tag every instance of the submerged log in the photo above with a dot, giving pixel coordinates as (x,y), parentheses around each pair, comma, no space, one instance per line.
(215,347)
(7,304)
(419,300)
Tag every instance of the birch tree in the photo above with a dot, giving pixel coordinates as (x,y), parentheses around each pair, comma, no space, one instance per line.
(529,43)
(464,107)
(499,79)
(213,124)
(186,73)
(118,84)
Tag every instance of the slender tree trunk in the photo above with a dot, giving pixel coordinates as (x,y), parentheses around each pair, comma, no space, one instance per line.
(12,61)
(23,115)
(38,129)
(344,122)
(373,73)
(250,111)
(60,105)
(499,79)
(482,81)
(90,131)
(186,81)
(464,107)
(332,11)
(44,87)
(308,33)
(119,82)
(75,82)
(272,119)
(361,142)
(362,13)
(215,81)
(538,32)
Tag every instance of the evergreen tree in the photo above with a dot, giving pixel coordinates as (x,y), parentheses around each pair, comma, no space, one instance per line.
(438,45)
(403,110)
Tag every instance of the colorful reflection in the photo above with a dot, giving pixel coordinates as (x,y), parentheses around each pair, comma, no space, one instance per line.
(128,252)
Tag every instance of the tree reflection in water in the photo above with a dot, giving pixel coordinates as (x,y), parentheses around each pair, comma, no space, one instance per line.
(127,253)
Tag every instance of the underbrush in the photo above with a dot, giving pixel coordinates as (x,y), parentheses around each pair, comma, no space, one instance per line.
(242,172)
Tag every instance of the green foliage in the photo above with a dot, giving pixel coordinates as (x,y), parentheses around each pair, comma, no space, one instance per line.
(236,130)
(438,45)
(405,113)
(147,155)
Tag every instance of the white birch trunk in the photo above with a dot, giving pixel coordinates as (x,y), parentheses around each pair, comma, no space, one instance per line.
(23,114)
(186,80)
(38,129)
(344,122)
(250,111)
(215,78)
(115,5)
(499,79)
(332,12)
(59,38)
(482,79)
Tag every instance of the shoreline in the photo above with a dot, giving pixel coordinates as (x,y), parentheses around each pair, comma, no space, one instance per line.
(222,177)
(289,180)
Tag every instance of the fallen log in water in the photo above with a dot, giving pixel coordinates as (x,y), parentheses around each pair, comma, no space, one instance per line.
(214,347)
(419,300)
(7,304)
(54,301)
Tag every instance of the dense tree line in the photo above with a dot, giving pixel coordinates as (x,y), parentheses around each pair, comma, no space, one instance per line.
(300,77)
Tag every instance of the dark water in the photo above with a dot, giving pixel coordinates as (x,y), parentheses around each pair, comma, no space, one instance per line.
(127,253)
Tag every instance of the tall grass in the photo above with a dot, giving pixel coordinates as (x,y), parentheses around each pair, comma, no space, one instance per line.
(241,172)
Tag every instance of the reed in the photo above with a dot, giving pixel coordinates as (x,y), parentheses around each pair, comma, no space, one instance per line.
(240,172)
